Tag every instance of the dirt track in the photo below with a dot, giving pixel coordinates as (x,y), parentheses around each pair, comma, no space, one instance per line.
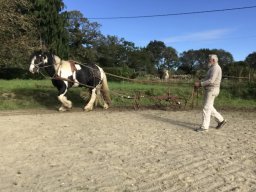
(122,151)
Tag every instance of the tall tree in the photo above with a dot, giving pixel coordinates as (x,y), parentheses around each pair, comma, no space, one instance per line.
(156,49)
(83,37)
(251,61)
(114,52)
(18,33)
(141,62)
(51,24)
(171,58)
(189,62)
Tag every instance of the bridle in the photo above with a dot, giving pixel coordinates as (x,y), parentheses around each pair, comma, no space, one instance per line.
(41,65)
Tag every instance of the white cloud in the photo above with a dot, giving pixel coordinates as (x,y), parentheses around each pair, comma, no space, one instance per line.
(198,36)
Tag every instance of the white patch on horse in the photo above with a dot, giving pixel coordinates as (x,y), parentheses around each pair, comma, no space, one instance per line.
(78,67)
(46,60)
(32,65)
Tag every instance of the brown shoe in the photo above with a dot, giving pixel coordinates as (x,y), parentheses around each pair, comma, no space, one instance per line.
(221,124)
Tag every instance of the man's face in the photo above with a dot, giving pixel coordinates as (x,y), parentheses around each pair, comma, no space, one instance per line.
(211,62)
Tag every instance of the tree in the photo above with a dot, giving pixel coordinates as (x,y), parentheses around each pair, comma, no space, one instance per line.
(190,61)
(18,33)
(51,25)
(83,37)
(196,61)
(251,61)
(170,58)
(156,49)
(114,52)
(140,61)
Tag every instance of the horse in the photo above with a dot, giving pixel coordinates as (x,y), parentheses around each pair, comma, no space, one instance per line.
(66,74)
(164,74)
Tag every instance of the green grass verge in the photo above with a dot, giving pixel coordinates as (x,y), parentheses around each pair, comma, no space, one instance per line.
(40,94)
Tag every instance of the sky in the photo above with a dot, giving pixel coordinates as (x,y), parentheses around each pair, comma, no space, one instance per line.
(233,31)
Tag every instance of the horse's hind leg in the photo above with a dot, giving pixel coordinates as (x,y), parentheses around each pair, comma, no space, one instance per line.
(98,97)
(90,104)
(105,104)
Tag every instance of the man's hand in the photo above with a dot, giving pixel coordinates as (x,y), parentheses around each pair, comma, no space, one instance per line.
(197,84)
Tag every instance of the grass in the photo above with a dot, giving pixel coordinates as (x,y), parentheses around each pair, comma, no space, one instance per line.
(40,94)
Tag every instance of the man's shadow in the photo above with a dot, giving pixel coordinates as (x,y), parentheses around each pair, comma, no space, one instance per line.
(181,124)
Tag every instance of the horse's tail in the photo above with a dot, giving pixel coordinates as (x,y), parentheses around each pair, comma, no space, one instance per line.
(105,89)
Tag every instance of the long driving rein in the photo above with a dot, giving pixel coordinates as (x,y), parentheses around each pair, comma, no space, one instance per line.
(58,77)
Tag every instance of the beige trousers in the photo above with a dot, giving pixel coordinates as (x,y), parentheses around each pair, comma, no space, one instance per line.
(209,109)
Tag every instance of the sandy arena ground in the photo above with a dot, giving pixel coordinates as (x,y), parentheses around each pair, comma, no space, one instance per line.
(125,151)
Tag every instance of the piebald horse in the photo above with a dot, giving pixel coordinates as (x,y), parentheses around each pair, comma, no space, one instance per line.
(67,74)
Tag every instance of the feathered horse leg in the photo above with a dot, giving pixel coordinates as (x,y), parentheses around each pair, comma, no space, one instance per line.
(90,104)
(105,92)
(66,104)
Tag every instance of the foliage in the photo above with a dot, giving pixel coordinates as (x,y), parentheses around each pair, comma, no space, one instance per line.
(196,61)
(18,34)
(140,61)
(240,89)
(83,37)
(251,61)
(119,71)
(114,52)
(17,73)
(26,25)
(51,25)
(238,69)
(162,56)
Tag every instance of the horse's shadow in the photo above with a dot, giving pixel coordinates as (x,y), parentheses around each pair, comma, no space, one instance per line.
(47,97)
(181,124)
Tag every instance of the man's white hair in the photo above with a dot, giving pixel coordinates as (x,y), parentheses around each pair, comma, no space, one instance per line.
(215,57)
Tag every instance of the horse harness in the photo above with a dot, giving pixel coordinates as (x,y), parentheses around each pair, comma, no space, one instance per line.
(95,74)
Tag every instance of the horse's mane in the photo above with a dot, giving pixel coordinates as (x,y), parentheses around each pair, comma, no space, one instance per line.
(50,57)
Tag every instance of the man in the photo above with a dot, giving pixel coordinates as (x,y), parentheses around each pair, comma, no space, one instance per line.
(211,84)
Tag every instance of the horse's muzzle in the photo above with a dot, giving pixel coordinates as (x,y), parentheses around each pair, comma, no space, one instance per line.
(34,70)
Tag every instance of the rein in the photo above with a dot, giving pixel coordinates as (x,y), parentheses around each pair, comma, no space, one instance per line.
(195,92)
(57,77)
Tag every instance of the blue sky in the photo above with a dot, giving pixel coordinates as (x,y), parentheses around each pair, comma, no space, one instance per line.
(233,31)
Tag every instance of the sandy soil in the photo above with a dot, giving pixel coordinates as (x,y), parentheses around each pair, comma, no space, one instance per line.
(122,151)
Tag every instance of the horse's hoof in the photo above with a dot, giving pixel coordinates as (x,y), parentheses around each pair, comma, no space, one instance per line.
(87,109)
(63,109)
(105,106)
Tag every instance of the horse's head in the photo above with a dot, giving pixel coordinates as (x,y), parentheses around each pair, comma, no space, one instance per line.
(38,60)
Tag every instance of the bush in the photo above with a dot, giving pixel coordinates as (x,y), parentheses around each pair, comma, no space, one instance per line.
(17,73)
(242,90)
(119,71)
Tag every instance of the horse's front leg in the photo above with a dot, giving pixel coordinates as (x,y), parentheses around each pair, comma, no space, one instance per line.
(66,104)
(90,104)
